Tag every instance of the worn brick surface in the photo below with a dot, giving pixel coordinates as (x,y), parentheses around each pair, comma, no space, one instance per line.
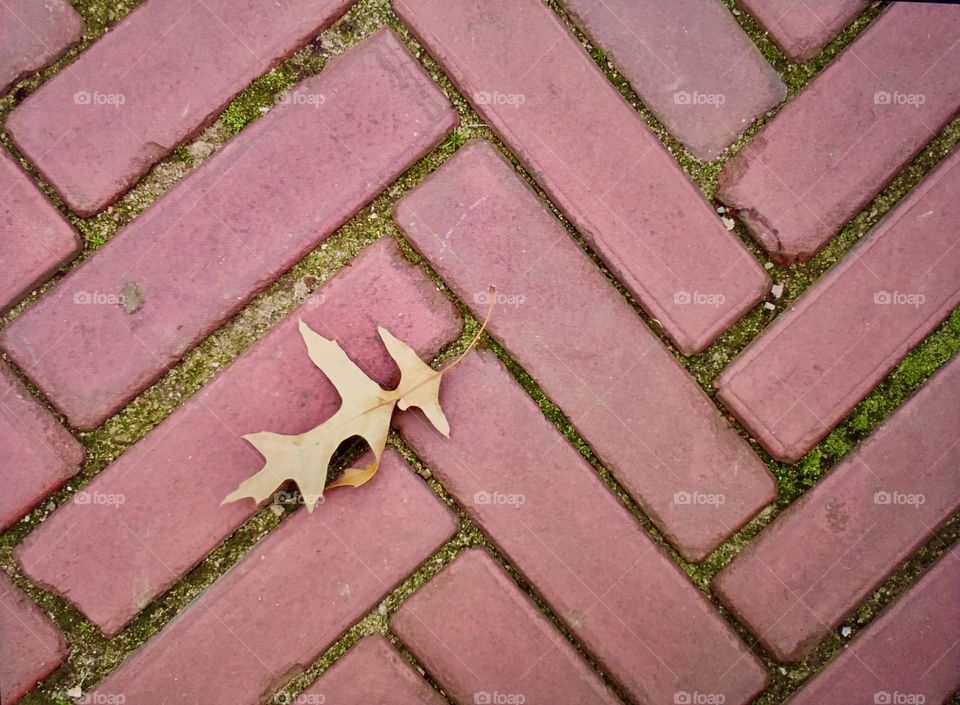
(549,513)
(34,238)
(31,646)
(544,96)
(849,330)
(838,143)
(478,224)
(110,558)
(483,640)
(841,539)
(286,601)
(801,29)
(33,33)
(202,251)
(168,69)
(371,673)
(37,454)
(909,655)
(689,62)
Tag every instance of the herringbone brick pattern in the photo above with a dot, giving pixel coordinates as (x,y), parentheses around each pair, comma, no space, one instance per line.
(707,453)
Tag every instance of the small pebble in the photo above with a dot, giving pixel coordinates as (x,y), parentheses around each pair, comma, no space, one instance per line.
(728,223)
(276,509)
(845,632)
(769,306)
(777,290)
(768,265)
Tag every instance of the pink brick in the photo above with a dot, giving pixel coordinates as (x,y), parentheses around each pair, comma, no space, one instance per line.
(478,223)
(595,158)
(38,453)
(844,335)
(290,598)
(223,234)
(166,71)
(34,33)
(31,646)
(110,559)
(549,513)
(840,142)
(909,655)
(35,240)
(689,62)
(818,561)
(371,673)
(801,29)
(484,641)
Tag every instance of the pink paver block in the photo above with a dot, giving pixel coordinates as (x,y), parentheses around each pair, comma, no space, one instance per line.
(38,454)
(111,559)
(371,673)
(478,224)
(837,144)
(794,583)
(165,72)
(844,335)
(690,63)
(484,641)
(209,245)
(911,654)
(528,77)
(802,28)
(35,239)
(34,33)
(284,603)
(551,515)
(31,646)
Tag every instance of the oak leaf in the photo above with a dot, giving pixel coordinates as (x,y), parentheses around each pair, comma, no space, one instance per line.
(365,411)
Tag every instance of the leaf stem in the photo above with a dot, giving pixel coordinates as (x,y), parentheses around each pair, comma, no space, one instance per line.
(491,298)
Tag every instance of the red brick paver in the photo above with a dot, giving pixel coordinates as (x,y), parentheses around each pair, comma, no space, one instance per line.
(371,673)
(34,238)
(36,453)
(484,641)
(33,33)
(215,240)
(134,535)
(802,28)
(910,655)
(841,539)
(844,335)
(540,91)
(478,224)
(31,646)
(836,145)
(690,63)
(163,73)
(550,514)
(285,602)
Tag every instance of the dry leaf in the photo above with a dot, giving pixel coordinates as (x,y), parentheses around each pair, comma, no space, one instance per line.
(365,411)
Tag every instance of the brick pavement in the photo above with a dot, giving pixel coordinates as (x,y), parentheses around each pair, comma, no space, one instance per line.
(581,537)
